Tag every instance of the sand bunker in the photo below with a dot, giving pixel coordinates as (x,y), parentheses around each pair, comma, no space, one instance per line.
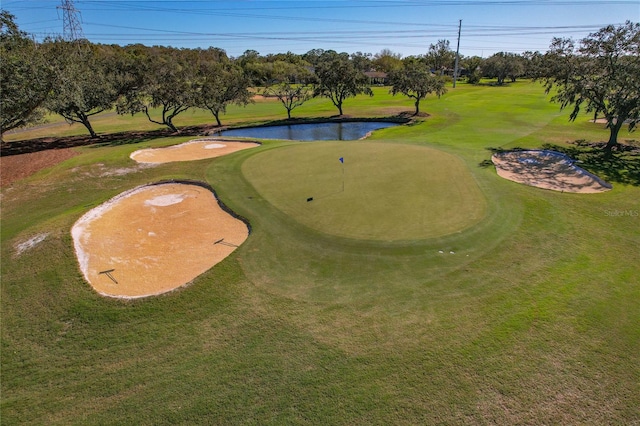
(193,150)
(153,239)
(548,170)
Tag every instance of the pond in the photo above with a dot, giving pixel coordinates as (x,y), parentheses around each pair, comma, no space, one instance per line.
(342,131)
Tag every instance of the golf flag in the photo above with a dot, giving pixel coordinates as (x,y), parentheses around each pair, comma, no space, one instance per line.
(342,159)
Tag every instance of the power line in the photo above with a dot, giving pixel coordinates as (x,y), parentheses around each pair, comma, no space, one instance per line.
(364,31)
(72,30)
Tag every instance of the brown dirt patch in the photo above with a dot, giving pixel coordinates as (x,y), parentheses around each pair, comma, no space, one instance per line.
(16,167)
(153,239)
(262,98)
(193,150)
(548,170)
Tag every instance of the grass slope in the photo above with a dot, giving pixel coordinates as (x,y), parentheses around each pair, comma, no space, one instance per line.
(533,319)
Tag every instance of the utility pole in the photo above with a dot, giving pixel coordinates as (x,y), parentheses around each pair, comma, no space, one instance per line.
(72,31)
(455,69)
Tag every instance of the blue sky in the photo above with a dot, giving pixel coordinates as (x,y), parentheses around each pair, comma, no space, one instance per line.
(406,27)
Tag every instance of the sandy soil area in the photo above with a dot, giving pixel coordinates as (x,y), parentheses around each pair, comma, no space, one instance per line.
(153,239)
(15,167)
(193,150)
(548,170)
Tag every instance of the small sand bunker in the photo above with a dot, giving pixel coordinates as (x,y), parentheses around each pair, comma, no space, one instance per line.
(193,150)
(548,170)
(153,239)
(30,243)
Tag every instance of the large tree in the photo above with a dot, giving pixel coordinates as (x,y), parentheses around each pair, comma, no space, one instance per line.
(25,78)
(167,84)
(253,66)
(533,64)
(387,61)
(221,83)
(290,84)
(290,95)
(84,82)
(362,61)
(440,57)
(602,74)
(503,65)
(416,81)
(473,67)
(313,56)
(339,79)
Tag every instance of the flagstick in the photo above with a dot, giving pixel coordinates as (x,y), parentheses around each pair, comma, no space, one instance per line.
(342,162)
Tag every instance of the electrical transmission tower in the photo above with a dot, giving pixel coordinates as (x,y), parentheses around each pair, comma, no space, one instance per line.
(72,30)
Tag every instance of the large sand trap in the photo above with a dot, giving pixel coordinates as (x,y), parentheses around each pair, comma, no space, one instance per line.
(152,239)
(193,150)
(548,170)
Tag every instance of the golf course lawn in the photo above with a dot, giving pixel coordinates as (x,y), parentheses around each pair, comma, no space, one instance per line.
(429,291)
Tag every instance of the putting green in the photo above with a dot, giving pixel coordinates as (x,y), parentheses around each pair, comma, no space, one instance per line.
(381,191)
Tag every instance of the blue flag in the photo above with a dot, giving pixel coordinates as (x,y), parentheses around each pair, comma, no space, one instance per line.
(342,159)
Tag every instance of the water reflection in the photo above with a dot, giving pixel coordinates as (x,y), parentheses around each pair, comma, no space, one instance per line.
(311,131)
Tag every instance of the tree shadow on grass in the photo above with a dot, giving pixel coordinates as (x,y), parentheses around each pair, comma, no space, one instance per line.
(134,137)
(488,163)
(111,139)
(622,165)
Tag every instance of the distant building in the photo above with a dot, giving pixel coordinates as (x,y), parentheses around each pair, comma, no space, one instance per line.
(377,78)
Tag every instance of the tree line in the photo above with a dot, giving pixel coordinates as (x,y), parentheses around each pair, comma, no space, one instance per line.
(79,79)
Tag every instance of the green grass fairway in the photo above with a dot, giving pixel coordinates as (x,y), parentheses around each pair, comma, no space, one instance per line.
(381,191)
(526,312)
